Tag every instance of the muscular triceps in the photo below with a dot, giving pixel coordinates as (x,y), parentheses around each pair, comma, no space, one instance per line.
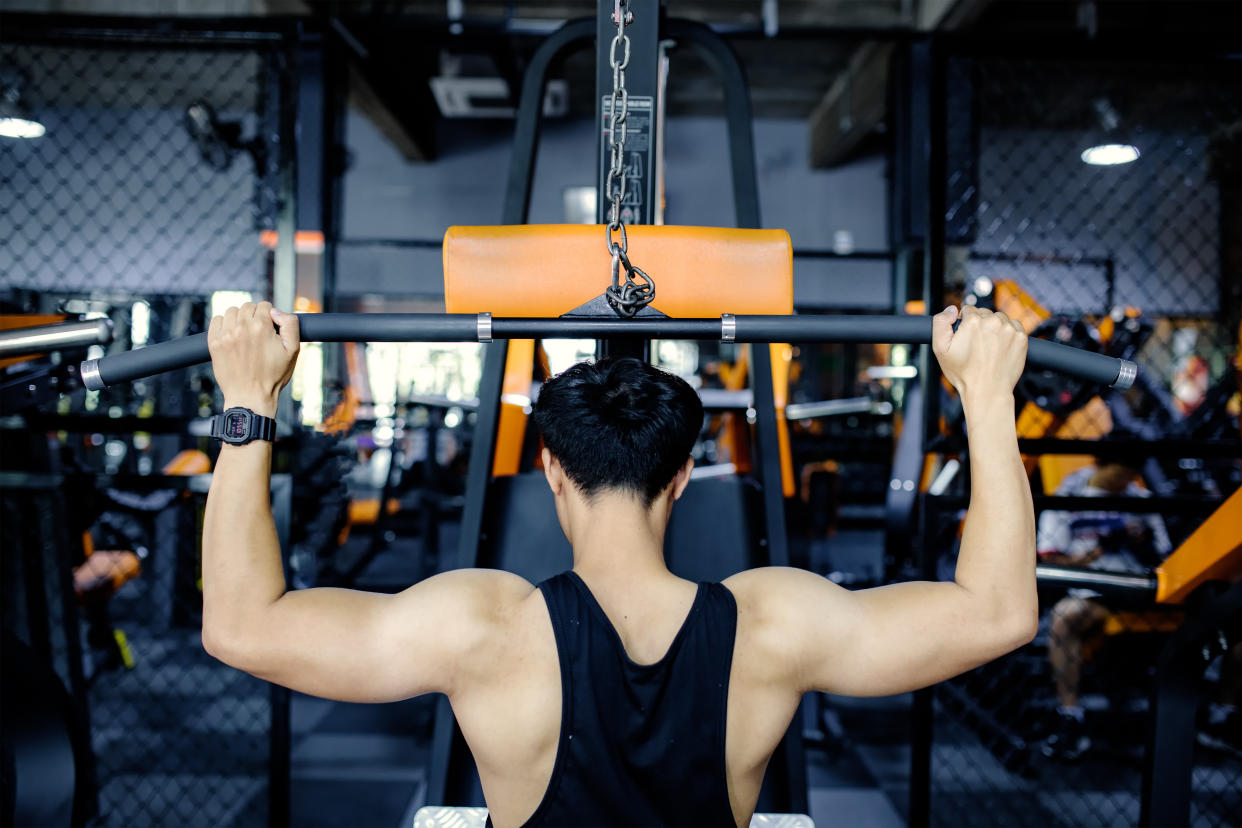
(886,640)
(356,646)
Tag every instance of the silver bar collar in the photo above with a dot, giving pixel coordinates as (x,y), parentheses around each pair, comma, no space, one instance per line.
(1125,376)
(89,372)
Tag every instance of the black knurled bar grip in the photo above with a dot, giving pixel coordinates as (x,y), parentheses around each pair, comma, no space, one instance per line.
(465,327)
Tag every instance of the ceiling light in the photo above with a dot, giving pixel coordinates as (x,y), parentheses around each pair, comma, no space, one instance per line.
(1110,155)
(15,121)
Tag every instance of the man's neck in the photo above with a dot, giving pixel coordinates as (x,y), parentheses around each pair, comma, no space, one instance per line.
(617,539)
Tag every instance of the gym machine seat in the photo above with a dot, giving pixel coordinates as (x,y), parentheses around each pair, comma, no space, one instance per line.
(441,816)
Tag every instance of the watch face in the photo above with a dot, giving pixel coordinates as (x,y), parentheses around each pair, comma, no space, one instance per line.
(235,425)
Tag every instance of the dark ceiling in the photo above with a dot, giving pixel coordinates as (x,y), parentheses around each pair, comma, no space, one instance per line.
(790,73)
(397,47)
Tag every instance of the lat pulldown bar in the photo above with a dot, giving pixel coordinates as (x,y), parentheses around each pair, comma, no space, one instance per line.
(465,327)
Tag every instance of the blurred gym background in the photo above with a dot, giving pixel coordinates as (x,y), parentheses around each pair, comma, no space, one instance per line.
(1077,164)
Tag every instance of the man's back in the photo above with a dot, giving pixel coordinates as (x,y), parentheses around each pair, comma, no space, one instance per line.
(513,725)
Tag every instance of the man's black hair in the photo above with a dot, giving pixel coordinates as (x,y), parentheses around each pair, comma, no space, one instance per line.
(619,424)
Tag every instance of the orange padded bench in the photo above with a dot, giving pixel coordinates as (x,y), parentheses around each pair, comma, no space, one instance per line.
(551,269)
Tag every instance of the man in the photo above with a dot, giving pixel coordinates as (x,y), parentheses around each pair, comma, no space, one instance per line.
(619,693)
(1104,540)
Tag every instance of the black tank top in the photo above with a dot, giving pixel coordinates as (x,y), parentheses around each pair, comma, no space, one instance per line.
(639,744)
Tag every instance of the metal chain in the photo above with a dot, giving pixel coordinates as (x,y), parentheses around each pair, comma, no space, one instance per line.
(639,289)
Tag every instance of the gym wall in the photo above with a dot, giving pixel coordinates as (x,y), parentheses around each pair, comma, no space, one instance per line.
(386,199)
(116,197)
(116,205)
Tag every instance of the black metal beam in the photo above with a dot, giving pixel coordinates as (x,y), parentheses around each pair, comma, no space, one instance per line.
(179,32)
(738,114)
(573,35)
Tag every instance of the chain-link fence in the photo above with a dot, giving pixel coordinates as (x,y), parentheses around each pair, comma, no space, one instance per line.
(145,196)
(1097,201)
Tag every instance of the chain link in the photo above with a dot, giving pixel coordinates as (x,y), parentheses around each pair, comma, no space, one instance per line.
(639,289)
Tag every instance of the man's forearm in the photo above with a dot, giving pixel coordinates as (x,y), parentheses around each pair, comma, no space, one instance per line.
(997,558)
(242,569)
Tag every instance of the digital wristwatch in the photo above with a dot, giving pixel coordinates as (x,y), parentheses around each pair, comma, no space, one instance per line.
(239,426)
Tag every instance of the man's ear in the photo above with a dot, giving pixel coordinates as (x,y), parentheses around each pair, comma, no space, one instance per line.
(682,478)
(553,472)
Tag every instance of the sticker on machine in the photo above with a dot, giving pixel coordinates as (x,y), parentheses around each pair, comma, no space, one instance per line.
(639,146)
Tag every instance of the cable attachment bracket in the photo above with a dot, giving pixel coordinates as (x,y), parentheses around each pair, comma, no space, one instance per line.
(637,292)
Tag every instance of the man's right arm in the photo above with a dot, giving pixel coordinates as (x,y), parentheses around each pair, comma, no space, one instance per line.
(337,643)
(340,644)
(904,636)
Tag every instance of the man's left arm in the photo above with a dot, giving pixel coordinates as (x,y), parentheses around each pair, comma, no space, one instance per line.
(901,637)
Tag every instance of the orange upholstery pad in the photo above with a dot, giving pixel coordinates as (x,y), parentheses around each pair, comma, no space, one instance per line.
(1213,552)
(547,270)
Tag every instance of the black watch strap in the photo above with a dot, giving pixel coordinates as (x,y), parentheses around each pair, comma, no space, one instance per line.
(239,426)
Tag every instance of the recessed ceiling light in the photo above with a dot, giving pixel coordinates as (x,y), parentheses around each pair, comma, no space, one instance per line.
(15,119)
(1110,155)
(21,128)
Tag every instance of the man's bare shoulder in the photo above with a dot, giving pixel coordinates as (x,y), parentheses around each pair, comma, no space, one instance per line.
(486,595)
(776,608)
(769,589)
(463,615)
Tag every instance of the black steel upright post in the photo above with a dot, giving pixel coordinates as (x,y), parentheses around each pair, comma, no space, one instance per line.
(928,64)
(482,454)
(923,706)
(284,287)
(86,794)
(447,744)
(1168,762)
(933,63)
(331,167)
